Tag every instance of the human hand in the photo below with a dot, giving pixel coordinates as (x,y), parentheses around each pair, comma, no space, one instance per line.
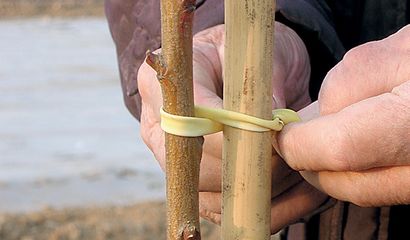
(292,197)
(355,142)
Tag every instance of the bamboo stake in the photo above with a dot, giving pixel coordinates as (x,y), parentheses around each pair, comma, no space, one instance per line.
(247,155)
(174,71)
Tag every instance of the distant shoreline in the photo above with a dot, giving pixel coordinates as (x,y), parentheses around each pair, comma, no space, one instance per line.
(53,8)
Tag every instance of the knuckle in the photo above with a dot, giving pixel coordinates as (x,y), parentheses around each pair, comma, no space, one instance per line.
(359,60)
(353,69)
(354,54)
(356,57)
(401,38)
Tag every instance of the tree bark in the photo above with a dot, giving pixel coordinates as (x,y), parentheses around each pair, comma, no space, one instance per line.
(247,89)
(183,154)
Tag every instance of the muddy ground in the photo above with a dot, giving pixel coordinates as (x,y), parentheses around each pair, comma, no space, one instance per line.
(145,221)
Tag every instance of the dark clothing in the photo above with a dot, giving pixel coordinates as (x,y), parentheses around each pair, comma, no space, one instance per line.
(328,28)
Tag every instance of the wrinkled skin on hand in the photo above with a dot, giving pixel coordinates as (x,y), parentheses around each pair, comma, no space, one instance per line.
(356,138)
(290,89)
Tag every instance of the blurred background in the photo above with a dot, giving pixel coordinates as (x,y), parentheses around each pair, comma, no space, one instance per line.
(72,163)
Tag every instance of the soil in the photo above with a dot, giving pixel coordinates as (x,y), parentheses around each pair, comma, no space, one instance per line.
(144,221)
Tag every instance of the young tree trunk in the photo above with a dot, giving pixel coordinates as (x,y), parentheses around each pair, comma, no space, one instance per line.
(247,89)
(183,154)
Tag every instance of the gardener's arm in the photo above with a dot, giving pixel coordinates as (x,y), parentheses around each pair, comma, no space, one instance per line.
(358,149)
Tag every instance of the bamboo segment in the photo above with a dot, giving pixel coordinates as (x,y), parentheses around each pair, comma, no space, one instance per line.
(183,154)
(247,89)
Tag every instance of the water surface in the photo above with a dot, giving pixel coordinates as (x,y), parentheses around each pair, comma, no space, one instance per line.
(66,138)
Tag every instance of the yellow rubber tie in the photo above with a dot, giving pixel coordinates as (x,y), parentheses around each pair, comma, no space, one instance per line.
(211,120)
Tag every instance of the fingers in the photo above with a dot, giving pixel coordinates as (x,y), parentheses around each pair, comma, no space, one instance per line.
(151,97)
(291,71)
(376,187)
(367,71)
(149,89)
(290,83)
(372,133)
(208,58)
(295,204)
(210,180)
(211,201)
(210,206)
(210,216)
(210,175)
(282,184)
(286,209)
(208,92)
